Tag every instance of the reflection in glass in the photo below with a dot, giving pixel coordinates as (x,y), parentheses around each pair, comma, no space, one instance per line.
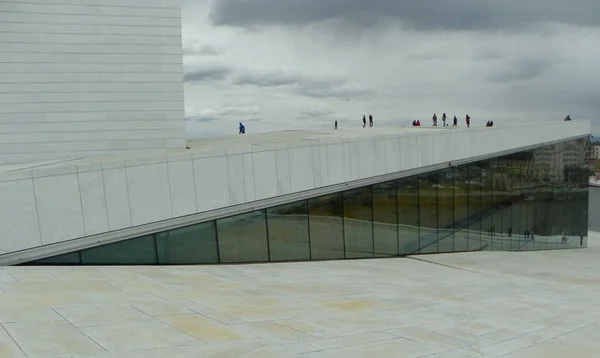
(139,251)
(445,209)
(72,258)
(428,189)
(358,223)
(326,227)
(461,207)
(474,184)
(288,232)
(408,215)
(196,244)
(243,238)
(497,201)
(385,219)
(487,210)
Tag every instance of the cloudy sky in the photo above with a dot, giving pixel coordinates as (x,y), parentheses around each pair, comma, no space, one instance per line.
(302,64)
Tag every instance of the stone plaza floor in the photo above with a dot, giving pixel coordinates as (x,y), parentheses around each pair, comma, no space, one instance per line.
(484,304)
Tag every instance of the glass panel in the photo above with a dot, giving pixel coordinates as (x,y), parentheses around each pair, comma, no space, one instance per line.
(243,238)
(445,203)
(474,184)
(428,188)
(358,223)
(487,210)
(519,210)
(71,258)
(385,219)
(288,232)
(461,208)
(196,244)
(408,215)
(513,197)
(326,227)
(529,174)
(139,251)
(497,189)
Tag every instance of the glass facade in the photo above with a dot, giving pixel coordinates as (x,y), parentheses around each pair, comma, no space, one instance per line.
(532,200)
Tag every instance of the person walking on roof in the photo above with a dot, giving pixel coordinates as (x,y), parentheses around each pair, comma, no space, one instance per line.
(454,122)
(444,119)
(468,120)
(242,129)
(364,121)
(434,118)
(335,125)
(370,120)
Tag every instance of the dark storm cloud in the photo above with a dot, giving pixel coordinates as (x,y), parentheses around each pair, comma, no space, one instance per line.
(268,79)
(322,90)
(421,15)
(521,70)
(207,73)
(321,87)
(316,112)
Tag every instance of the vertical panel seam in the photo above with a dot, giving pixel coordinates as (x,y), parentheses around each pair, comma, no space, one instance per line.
(37,211)
(81,205)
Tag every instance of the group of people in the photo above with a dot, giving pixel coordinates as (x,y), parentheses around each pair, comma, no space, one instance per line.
(417,123)
(364,121)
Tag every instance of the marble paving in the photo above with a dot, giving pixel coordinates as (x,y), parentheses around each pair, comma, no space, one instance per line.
(484,304)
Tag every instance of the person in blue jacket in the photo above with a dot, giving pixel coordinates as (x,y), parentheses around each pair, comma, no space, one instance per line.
(242,129)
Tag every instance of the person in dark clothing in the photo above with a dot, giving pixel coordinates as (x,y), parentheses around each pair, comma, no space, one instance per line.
(491,123)
(364,121)
(335,125)
(434,118)
(454,122)
(414,123)
(444,119)
(370,120)
(242,129)
(468,120)
(568,118)
(487,124)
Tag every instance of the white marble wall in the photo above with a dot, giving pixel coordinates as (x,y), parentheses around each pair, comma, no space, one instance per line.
(44,206)
(88,78)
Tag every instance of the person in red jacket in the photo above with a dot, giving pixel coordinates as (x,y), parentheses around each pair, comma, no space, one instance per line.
(468,120)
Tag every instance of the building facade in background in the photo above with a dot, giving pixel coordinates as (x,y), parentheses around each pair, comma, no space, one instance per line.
(83,78)
(491,205)
(596,151)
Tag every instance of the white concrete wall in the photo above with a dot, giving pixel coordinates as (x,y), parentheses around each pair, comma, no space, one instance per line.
(44,206)
(89,78)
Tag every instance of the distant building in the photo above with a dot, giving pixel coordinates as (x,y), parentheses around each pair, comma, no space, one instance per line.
(596,151)
(553,161)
